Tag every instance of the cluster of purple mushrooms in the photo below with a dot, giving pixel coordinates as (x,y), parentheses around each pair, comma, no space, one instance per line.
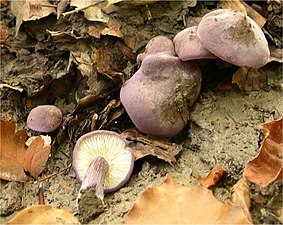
(159,95)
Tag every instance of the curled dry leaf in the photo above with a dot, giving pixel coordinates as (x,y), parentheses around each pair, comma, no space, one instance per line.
(144,145)
(250,79)
(215,175)
(43,214)
(241,196)
(15,158)
(267,166)
(172,203)
(26,10)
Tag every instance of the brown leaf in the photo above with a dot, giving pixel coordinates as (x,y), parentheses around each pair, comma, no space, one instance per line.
(15,158)
(3,33)
(172,203)
(43,214)
(250,79)
(268,165)
(215,175)
(26,10)
(144,145)
(241,196)
(4,2)
(36,157)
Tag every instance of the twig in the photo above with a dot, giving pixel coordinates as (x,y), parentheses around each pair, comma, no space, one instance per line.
(54,174)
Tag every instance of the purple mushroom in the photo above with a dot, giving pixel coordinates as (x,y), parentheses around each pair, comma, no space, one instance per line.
(158,96)
(44,118)
(234,37)
(102,159)
(188,46)
(157,44)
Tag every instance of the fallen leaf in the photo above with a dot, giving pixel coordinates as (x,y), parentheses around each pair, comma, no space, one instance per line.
(172,203)
(36,157)
(276,54)
(3,33)
(268,165)
(143,145)
(215,175)
(4,2)
(43,214)
(27,10)
(241,196)
(61,7)
(92,11)
(250,79)
(15,158)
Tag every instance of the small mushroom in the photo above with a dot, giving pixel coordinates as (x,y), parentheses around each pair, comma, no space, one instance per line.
(234,37)
(158,96)
(44,118)
(157,44)
(102,159)
(188,46)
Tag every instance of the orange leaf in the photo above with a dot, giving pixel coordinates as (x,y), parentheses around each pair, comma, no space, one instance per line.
(268,165)
(36,157)
(172,203)
(215,175)
(43,214)
(14,157)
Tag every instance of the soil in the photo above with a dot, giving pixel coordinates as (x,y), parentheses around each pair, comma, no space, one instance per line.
(223,129)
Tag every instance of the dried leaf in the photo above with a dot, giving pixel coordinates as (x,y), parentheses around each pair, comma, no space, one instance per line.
(144,145)
(36,157)
(4,2)
(3,33)
(172,203)
(92,11)
(15,158)
(61,7)
(241,196)
(26,10)
(215,175)
(259,19)
(268,165)
(250,79)
(43,214)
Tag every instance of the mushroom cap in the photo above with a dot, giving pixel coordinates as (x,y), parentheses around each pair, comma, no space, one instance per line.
(157,44)
(234,37)
(158,96)
(44,118)
(188,46)
(112,147)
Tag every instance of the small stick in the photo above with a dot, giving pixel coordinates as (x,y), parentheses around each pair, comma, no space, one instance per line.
(41,200)
(54,174)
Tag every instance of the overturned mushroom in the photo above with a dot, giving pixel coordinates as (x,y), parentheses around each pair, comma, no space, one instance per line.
(102,159)
(188,46)
(234,37)
(158,96)
(44,118)
(156,45)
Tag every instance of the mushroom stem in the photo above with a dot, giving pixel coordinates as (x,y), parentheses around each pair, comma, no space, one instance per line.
(95,175)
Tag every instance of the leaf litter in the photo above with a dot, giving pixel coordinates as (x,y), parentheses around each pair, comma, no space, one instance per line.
(88,62)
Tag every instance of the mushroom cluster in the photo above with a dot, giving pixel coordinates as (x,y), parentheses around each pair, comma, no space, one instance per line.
(102,159)
(159,95)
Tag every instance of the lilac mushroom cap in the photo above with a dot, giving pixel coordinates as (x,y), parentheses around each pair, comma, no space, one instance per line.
(44,118)
(158,96)
(189,47)
(234,37)
(158,44)
(101,158)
